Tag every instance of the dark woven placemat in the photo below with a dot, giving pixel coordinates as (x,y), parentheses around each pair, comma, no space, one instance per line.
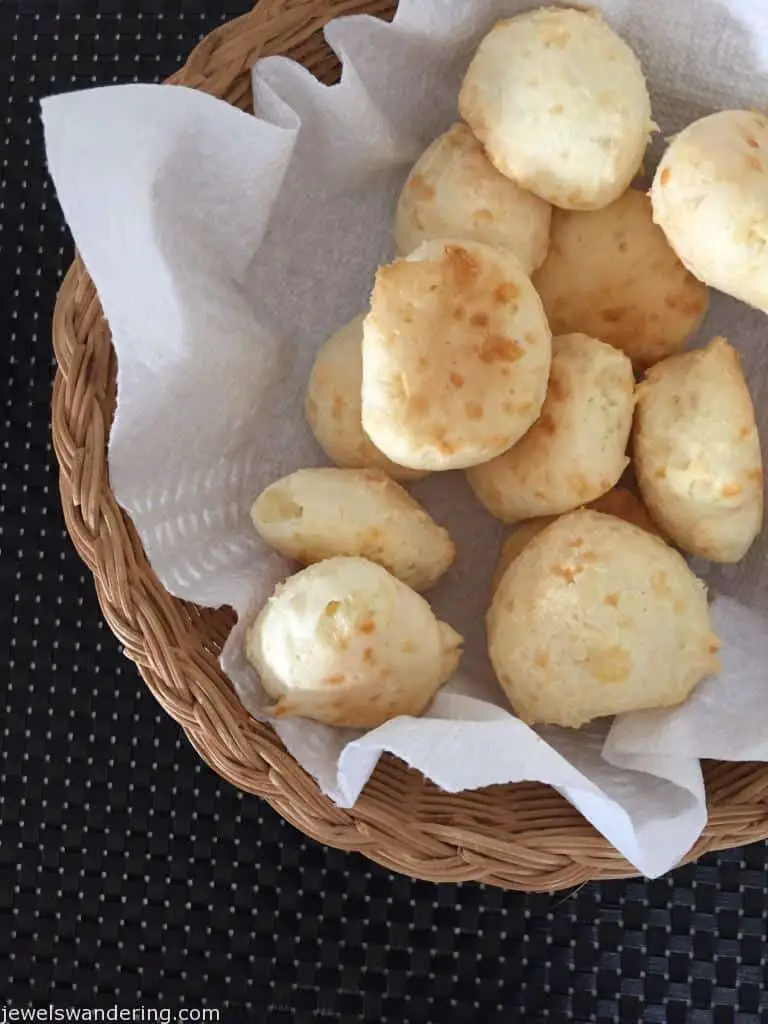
(129,874)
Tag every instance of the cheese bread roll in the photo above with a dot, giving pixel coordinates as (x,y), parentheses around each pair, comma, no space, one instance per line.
(561,106)
(597,617)
(454,191)
(710,197)
(576,450)
(318,513)
(456,355)
(612,274)
(345,643)
(333,405)
(619,502)
(697,453)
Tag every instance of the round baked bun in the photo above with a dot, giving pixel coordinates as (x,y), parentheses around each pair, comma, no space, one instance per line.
(576,450)
(318,513)
(345,643)
(619,502)
(560,104)
(454,191)
(697,453)
(456,355)
(613,275)
(710,197)
(333,401)
(596,617)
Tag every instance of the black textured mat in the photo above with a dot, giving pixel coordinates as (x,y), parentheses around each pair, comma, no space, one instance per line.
(129,874)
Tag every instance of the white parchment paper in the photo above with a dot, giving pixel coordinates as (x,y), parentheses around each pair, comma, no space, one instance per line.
(225,247)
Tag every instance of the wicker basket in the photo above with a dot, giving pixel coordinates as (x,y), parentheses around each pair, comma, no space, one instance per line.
(516,836)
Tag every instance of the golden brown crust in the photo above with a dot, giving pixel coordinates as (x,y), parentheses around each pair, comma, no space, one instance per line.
(456,355)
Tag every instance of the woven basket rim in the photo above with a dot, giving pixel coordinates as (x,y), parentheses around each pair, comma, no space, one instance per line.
(522,836)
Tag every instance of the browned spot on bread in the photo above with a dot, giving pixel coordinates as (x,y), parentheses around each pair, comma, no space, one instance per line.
(506,292)
(744,433)
(558,108)
(459,313)
(481,216)
(609,664)
(660,473)
(418,405)
(614,314)
(754,162)
(660,584)
(498,349)
(332,607)
(438,438)
(622,246)
(479,319)
(417,220)
(731,490)
(752,142)
(567,572)
(577,542)
(337,409)
(508,407)
(541,659)
(456,379)
(572,197)
(474,410)
(666,174)
(678,606)
(612,600)
(755,474)
(590,557)
(462,264)
(420,187)
(423,362)
(334,680)
(409,647)
(368,656)
(367,626)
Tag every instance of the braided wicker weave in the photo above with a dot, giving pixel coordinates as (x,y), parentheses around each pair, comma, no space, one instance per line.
(518,836)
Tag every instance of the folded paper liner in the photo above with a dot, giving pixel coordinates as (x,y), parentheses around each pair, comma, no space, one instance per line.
(225,247)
